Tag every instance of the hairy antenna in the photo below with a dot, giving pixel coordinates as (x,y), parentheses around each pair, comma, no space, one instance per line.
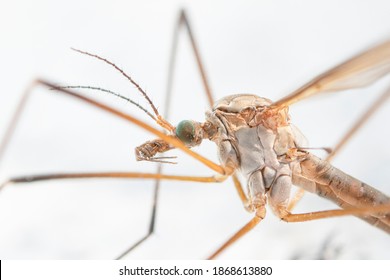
(160,120)
(110,92)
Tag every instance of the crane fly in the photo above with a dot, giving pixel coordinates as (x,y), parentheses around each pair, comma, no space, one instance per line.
(254,137)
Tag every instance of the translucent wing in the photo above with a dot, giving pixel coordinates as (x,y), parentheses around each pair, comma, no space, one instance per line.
(359,71)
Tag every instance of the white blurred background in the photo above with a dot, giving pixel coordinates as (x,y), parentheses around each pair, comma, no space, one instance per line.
(264,47)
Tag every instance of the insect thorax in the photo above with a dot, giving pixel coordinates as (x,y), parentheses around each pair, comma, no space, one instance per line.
(256,141)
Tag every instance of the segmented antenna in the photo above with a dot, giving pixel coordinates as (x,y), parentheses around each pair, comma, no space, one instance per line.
(110,92)
(160,120)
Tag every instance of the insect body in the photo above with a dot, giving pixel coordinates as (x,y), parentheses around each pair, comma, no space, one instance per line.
(255,137)
(259,141)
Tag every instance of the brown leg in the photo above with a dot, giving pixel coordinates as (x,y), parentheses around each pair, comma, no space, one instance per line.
(294,201)
(206,85)
(152,220)
(304,217)
(245,229)
(240,191)
(19,111)
(15,118)
(182,22)
(118,175)
(178,144)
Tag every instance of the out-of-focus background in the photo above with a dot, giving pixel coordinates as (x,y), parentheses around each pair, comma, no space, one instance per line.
(264,47)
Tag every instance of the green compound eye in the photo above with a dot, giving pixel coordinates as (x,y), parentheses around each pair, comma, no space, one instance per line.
(185,131)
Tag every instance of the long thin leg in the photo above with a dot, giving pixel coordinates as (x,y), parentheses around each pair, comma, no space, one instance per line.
(122,175)
(206,84)
(15,118)
(207,88)
(183,21)
(153,215)
(240,190)
(210,98)
(171,140)
(241,194)
(118,175)
(245,229)
(304,217)
(347,136)
(167,105)
(359,123)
